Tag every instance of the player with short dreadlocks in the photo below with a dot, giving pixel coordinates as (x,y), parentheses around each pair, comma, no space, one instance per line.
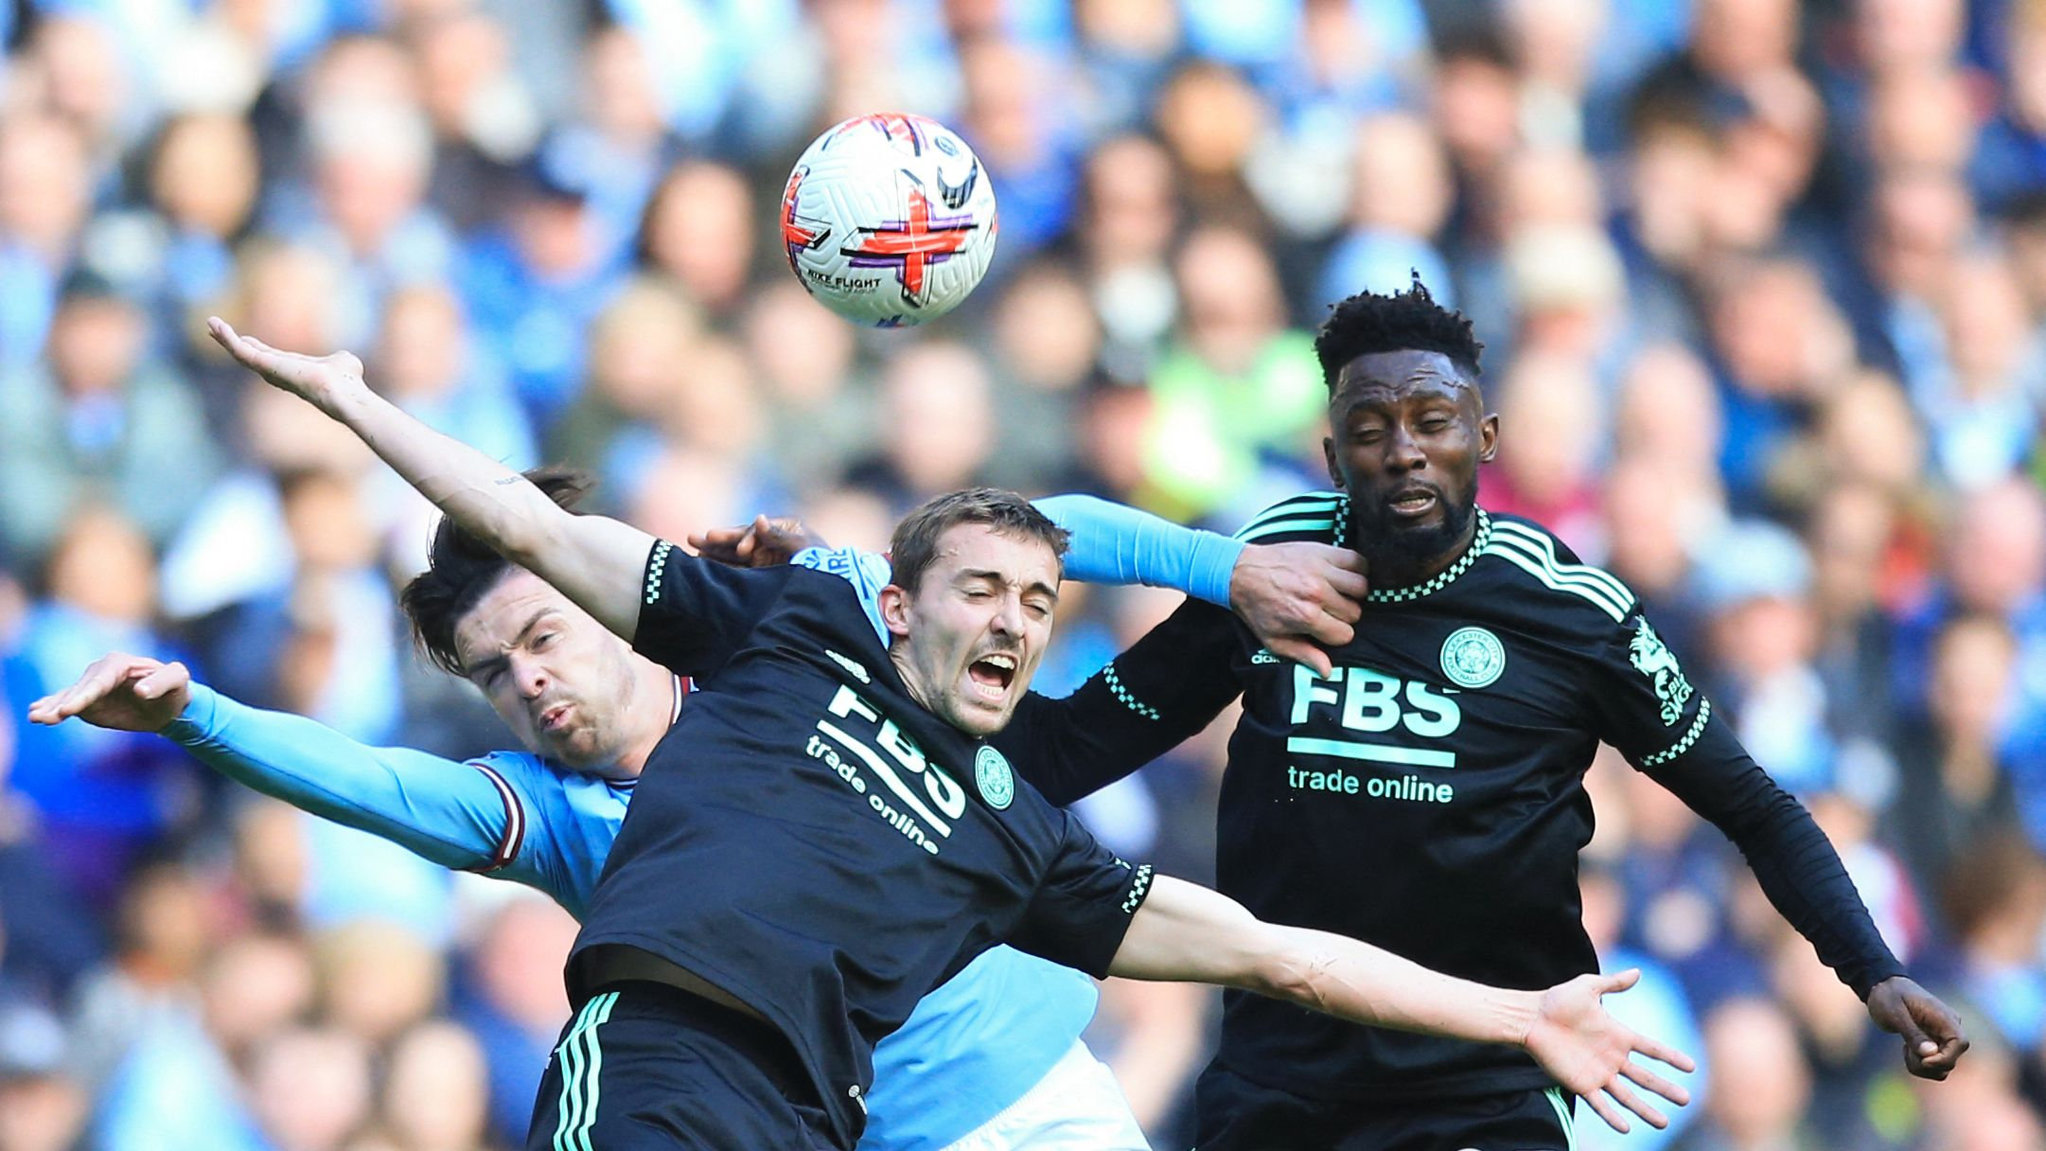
(1427,793)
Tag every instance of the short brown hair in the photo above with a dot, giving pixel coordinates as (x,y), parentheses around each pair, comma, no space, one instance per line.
(460,568)
(915,546)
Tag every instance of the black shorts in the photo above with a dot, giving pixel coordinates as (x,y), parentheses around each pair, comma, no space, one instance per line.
(647,1066)
(1239,1115)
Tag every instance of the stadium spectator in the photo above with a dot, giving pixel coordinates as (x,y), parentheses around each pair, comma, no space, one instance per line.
(937,421)
(1551,423)
(710,434)
(1130,215)
(1995,902)
(103,422)
(701,233)
(204,177)
(639,349)
(45,197)
(1236,390)
(1762,632)
(1884,155)
(430,365)
(42,1107)
(535,279)
(1760,1083)
(1955,791)
(483,118)
(435,1093)
(510,997)
(816,392)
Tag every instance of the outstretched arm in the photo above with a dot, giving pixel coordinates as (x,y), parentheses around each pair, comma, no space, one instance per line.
(1187,932)
(596,561)
(1293,596)
(455,814)
(1803,877)
(1296,597)
(1647,708)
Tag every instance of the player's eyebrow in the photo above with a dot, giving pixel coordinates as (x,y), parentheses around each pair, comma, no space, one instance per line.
(1034,587)
(483,668)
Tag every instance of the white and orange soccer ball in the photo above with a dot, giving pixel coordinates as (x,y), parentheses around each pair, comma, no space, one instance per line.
(889,219)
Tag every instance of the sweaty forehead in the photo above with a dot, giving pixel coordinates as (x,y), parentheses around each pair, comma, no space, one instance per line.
(1401,373)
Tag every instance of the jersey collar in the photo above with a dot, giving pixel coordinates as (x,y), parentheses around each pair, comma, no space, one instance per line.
(1441,579)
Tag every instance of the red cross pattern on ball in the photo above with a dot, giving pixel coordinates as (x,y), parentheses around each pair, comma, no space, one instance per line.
(799,233)
(898,126)
(912,246)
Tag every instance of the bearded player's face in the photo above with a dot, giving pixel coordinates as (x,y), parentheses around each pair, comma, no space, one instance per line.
(1408,431)
(559,680)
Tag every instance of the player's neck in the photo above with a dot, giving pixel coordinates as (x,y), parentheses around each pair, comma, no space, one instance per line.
(659,706)
(907,672)
(1392,568)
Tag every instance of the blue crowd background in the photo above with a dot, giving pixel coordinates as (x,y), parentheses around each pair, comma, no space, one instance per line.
(1763,290)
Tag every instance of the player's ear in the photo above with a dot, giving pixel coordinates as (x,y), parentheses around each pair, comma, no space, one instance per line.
(895,610)
(1328,455)
(1488,437)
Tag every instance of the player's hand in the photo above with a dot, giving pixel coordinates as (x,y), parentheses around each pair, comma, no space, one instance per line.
(767,541)
(1590,1053)
(319,380)
(1933,1042)
(120,691)
(1299,595)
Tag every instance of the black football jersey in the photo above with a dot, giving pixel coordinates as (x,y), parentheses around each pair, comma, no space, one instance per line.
(811,840)
(1428,796)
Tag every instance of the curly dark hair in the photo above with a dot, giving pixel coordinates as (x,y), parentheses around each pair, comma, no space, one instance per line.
(460,568)
(1403,321)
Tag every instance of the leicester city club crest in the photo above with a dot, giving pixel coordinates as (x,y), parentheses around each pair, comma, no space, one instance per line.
(1473,657)
(997,783)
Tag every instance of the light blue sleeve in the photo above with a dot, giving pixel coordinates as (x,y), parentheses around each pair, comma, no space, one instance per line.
(461,815)
(867,572)
(1114,544)
(1111,544)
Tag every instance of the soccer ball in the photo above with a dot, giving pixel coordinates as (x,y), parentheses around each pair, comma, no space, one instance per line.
(889,219)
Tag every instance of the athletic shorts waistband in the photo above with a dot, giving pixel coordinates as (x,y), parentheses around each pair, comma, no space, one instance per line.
(771,1050)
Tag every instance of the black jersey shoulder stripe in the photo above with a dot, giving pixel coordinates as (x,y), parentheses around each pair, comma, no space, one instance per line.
(1537,557)
(514,836)
(1519,555)
(1323,524)
(1292,503)
(1547,545)
(1544,548)
(1311,505)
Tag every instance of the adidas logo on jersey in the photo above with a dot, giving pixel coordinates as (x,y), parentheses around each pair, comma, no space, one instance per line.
(1264,655)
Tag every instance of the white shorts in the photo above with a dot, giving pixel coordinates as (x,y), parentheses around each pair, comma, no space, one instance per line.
(1077,1106)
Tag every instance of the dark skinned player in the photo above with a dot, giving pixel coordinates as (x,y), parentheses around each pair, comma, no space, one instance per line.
(1427,794)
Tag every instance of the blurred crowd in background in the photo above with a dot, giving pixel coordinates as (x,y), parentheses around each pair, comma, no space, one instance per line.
(1763,289)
